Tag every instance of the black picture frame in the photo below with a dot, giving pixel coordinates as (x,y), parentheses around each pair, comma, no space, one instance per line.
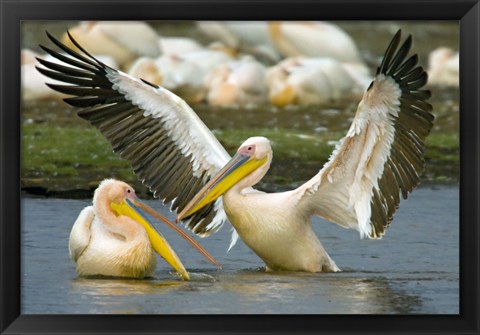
(13,12)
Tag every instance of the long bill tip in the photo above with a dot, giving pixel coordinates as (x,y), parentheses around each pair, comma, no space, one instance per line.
(179,231)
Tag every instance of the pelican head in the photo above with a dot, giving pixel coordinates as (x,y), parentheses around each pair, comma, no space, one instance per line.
(117,198)
(113,191)
(246,168)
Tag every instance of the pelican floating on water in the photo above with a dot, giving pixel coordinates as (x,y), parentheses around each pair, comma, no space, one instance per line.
(112,238)
(178,158)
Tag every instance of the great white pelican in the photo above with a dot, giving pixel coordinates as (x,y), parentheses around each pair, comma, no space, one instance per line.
(123,40)
(308,81)
(178,158)
(113,238)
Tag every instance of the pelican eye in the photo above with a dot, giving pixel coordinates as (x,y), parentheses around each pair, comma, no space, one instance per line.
(247,150)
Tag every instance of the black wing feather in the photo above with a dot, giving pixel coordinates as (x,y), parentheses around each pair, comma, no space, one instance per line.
(406,161)
(147,145)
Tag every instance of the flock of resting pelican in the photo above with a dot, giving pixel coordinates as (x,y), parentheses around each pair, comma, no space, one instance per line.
(178,158)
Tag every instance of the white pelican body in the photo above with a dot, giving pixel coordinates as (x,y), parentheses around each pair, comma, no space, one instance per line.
(283,226)
(106,242)
(33,82)
(180,160)
(185,75)
(250,37)
(274,39)
(239,82)
(303,80)
(177,46)
(147,69)
(109,253)
(182,77)
(313,39)
(444,67)
(124,41)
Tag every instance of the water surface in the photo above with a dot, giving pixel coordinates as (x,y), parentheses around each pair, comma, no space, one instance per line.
(413,269)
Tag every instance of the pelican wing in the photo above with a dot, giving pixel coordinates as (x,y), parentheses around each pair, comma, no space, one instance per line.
(171,150)
(382,154)
(81,233)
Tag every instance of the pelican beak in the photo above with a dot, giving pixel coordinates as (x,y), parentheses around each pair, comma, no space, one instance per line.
(236,169)
(159,243)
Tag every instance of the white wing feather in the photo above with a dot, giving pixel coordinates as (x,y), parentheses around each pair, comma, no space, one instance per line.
(343,188)
(81,233)
(382,153)
(182,124)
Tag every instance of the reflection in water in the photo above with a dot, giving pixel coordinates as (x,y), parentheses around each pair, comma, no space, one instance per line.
(277,292)
(375,296)
(120,287)
(115,295)
(344,293)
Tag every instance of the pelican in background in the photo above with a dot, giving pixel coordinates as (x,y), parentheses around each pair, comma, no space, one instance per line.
(124,41)
(249,37)
(273,40)
(313,39)
(238,82)
(179,159)
(33,82)
(444,67)
(147,69)
(304,80)
(113,238)
(177,46)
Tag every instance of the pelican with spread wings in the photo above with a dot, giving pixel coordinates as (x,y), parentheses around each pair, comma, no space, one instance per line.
(178,158)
